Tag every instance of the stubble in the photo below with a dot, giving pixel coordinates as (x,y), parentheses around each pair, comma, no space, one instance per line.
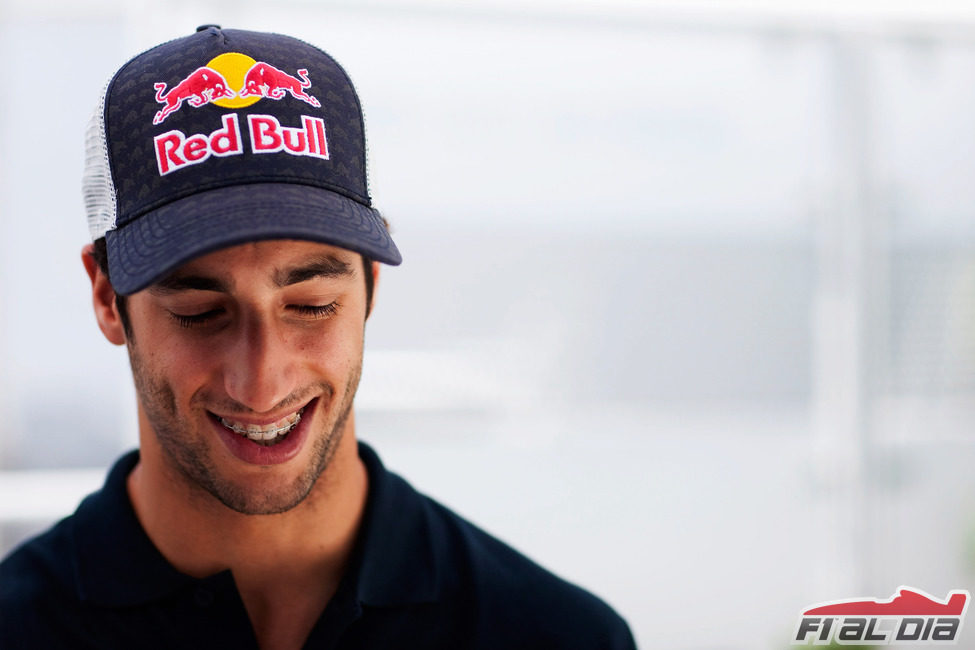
(188,452)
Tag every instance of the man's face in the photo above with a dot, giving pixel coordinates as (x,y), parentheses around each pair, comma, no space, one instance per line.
(246,362)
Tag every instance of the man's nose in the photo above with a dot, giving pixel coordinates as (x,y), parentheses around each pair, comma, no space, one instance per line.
(259,370)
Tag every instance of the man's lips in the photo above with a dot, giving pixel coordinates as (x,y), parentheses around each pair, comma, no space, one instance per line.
(266,432)
(281,447)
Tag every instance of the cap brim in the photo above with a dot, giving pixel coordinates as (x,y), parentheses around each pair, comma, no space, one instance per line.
(156,243)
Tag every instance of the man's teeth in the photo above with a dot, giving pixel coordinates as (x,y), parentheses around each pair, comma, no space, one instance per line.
(266,433)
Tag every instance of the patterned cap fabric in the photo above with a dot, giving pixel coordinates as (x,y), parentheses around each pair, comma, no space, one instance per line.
(225,137)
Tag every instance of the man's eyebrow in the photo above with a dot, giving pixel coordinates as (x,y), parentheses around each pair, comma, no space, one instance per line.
(176,282)
(326,266)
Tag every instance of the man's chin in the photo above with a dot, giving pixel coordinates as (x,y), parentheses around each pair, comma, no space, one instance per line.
(252,500)
(267,489)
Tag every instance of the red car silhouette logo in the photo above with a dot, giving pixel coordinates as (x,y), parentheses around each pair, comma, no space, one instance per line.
(906,602)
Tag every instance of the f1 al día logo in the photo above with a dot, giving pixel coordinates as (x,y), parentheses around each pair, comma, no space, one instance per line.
(908,617)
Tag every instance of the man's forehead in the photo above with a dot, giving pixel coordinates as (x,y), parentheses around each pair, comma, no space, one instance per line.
(277,262)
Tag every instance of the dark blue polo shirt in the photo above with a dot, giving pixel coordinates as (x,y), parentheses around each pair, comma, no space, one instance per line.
(420,577)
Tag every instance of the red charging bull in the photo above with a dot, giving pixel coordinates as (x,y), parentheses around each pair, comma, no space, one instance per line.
(264,80)
(202,86)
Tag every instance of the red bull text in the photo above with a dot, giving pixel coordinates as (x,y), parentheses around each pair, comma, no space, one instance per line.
(175,150)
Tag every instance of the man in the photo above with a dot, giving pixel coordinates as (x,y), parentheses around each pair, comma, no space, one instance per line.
(235,255)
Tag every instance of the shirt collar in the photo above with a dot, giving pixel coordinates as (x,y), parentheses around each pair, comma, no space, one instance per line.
(396,560)
(115,563)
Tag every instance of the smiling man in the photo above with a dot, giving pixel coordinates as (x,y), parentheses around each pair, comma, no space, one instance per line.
(235,255)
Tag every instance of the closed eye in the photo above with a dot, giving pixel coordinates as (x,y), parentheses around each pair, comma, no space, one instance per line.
(195,320)
(316,311)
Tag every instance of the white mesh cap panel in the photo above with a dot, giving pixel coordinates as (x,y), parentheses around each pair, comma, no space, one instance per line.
(96,182)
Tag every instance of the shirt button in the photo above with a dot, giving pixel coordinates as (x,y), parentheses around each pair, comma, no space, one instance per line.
(203,597)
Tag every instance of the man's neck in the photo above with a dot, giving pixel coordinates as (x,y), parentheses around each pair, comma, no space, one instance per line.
(286,566)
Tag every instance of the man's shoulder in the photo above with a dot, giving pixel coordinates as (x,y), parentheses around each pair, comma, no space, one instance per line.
(514,589)
(504,595)
(35,567)
(41,581)
(37,591)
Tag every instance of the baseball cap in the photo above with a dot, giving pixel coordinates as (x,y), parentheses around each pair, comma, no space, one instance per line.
(224,137)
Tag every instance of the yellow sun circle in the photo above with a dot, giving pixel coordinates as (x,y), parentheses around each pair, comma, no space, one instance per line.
(233,66)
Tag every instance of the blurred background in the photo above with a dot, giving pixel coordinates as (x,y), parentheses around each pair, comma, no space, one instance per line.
(687,312)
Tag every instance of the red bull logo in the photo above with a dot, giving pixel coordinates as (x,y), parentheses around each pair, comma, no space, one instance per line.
(235,80)
(232,80)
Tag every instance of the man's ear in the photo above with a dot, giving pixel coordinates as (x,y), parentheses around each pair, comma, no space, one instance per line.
(375,286)
(103,298)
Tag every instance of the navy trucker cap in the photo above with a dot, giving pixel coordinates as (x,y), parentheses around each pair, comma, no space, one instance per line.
(225,137)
